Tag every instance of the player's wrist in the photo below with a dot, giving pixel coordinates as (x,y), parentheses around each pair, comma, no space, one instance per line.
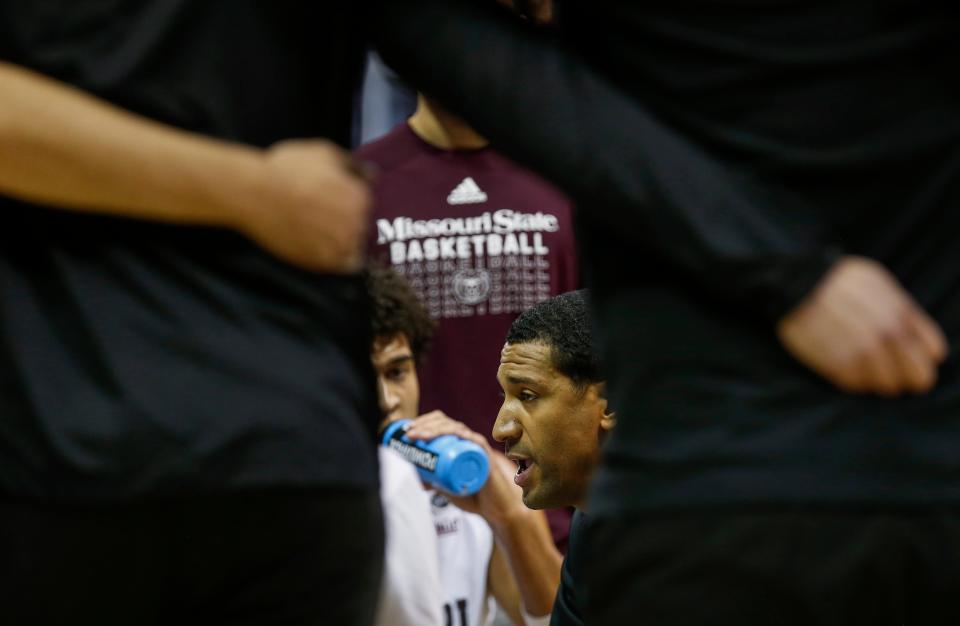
(509,517)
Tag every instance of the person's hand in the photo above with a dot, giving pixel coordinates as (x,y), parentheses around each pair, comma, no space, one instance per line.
(864,333)
(500,497)
(313,207)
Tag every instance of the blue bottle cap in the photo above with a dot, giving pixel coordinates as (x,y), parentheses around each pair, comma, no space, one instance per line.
(469,472)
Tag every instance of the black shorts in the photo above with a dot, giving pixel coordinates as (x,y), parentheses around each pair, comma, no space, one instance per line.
(295,559)
(797,568)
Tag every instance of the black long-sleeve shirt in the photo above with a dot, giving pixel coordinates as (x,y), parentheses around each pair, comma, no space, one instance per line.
(139,358)
(568,605)
(722,153)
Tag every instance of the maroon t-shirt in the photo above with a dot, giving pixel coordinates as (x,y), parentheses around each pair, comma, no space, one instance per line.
(480,239)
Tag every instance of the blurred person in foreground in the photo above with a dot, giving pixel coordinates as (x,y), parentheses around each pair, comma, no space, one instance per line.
(765,198)
(188,408)
(489,545)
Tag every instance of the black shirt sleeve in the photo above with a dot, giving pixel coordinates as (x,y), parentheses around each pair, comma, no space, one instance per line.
(546,107)
(567,610)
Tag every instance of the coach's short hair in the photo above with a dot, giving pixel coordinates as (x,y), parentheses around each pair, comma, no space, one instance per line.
(396,309)
(563,323)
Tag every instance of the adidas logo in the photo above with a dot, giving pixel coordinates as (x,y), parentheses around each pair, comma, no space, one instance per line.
(467,192)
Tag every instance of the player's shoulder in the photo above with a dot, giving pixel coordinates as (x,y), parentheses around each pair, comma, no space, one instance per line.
(398,478)
(391,150)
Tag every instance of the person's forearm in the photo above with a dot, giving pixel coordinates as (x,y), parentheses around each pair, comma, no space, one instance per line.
(524,537)
(630,173)
(62,147)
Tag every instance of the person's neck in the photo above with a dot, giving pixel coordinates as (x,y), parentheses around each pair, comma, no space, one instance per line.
(443,130)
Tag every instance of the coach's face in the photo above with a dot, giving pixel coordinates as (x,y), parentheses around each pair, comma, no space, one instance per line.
(549,426)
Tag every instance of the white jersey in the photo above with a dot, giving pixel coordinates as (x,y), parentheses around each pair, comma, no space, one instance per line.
(410,593)
(464,546)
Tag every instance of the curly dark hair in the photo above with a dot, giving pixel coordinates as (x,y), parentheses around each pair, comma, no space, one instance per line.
(396,309)
(563,323)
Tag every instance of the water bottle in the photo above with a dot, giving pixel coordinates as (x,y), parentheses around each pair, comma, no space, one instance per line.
(449,463)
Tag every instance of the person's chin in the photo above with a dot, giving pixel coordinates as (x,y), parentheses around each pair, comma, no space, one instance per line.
(532,499)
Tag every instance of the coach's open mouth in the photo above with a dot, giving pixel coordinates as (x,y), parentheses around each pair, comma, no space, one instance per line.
(523,470)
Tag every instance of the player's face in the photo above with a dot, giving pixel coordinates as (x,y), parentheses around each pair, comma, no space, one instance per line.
(399,388)
(549,426)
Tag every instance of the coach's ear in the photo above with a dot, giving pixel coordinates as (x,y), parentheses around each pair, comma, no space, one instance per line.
(608,418)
